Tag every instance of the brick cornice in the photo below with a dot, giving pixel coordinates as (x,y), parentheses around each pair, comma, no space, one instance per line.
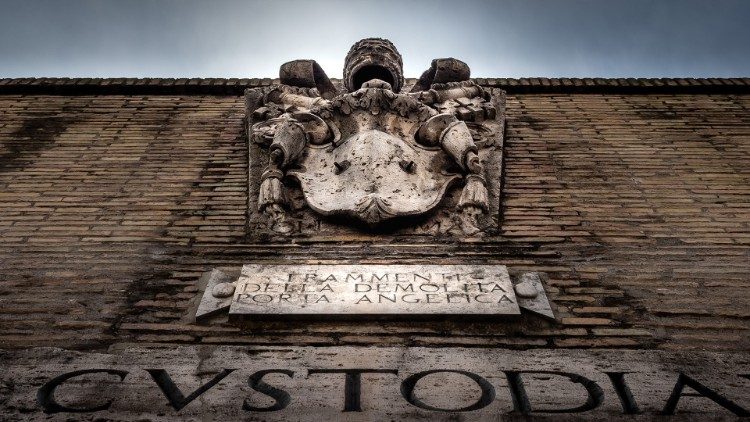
(236,86)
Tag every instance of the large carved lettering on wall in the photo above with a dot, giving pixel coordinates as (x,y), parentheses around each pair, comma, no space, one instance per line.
(366,158)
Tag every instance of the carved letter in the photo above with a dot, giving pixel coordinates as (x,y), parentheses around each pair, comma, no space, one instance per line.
(46,394)
(521,400)
(704,391)
(487,397)
(629,406)
(173,393)
(352,384)
(256,383)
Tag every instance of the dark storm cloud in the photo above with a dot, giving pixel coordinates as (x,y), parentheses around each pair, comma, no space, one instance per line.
(171,38)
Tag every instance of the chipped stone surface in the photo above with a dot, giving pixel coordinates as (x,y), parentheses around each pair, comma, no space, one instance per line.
(396,383)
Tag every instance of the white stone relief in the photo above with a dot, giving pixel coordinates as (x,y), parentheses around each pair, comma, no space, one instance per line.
(369,153)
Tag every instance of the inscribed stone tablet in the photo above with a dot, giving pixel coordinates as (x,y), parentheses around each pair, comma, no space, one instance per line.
(374,290)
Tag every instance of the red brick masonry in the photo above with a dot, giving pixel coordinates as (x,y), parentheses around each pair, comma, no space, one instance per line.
(632,195)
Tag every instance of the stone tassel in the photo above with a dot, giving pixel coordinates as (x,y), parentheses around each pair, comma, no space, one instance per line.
(474,193)
(271,190)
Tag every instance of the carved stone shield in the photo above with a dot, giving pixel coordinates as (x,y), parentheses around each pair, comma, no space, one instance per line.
(374,149)
(374,176)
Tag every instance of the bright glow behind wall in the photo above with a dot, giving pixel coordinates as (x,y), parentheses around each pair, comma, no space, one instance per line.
(173,38)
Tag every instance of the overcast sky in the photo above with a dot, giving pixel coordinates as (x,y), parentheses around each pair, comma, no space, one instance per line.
(251,38)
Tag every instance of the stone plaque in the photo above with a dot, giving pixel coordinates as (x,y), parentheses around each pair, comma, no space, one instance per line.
(374,290)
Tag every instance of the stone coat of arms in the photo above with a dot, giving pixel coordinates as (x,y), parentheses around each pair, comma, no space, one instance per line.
(369,157)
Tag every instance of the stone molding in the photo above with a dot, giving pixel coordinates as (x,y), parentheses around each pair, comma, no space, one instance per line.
(237,86)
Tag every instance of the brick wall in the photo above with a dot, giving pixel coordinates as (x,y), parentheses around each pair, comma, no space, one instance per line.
(635,205)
